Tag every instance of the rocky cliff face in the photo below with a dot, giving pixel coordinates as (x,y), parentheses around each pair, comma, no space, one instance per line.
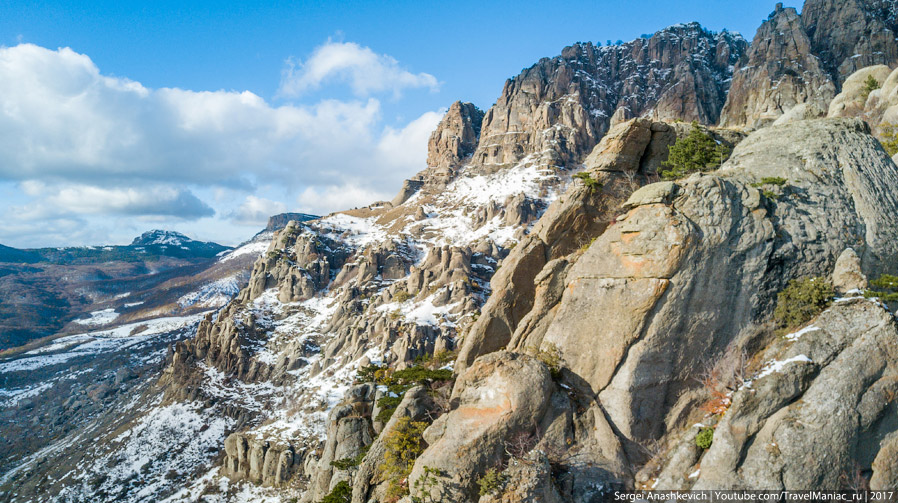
(696,264)
(851,34)
(558,109)
(797,64)
(781,72)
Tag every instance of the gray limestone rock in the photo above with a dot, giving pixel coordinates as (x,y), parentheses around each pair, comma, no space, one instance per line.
(498,395)
(848,274)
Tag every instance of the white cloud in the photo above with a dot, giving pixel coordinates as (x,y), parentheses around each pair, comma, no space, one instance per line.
(80,143)
(256,210)
(407,146)
(365,71)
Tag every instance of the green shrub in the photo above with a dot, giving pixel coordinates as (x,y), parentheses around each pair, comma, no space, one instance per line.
(402,447)
(420,374)
(801,300)
(590,182)
(886,288)
(550,357)
(400,381)
(491,482)
(341,493)
(705,438)
(696,152)
(870,85)
(367,373)
(402,296)
(888,137)
(350,463)
(770,180)
(388,406)
(425,485)
(769,194)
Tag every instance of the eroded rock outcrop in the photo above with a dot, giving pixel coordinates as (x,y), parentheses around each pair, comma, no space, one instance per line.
(501,394)
(849,35)
(701,270)
(520,308)
(820,413)
(780,73)
(559,108)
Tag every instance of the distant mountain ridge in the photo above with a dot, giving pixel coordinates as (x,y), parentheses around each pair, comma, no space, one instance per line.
(149,245)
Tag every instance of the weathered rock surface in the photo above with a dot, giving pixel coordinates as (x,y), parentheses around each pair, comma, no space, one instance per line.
(851,102)
(780,73)
(849,35)
(699,272)
(559,109)
(848,274)
(627,158)
(819,414)
(502,393)
(453,141)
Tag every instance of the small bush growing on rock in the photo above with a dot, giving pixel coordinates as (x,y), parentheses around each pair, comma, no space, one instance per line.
(402,446)
(870,85)
(425,486)
(402,296)
(341,493)
(400,381)
(769,194)
(696,152)
(705,438)
(886,288)
(351,463)
(591,183)
(888,137)
(491,482)
(388,405)
(801,300)
(367,373)
(550,357)
(770,180)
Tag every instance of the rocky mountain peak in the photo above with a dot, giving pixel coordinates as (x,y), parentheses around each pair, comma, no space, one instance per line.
(453,141)
(539,294)
(780,72)
(161,237)
(554,112)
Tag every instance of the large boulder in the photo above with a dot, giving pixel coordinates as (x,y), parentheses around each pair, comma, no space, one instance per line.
(501,394)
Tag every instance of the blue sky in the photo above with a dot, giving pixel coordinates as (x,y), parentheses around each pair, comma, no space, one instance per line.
(203,117)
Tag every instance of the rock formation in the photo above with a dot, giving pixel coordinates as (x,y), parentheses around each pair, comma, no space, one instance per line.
(780,74)
(682,72)
(849,35)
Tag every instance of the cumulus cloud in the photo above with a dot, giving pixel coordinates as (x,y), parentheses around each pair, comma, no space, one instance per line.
(256,210)
(84,143)
(365,71)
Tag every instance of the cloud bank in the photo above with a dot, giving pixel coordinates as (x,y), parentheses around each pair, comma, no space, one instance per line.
(77,143)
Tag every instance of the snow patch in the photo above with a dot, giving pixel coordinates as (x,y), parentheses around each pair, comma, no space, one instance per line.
(97,318)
